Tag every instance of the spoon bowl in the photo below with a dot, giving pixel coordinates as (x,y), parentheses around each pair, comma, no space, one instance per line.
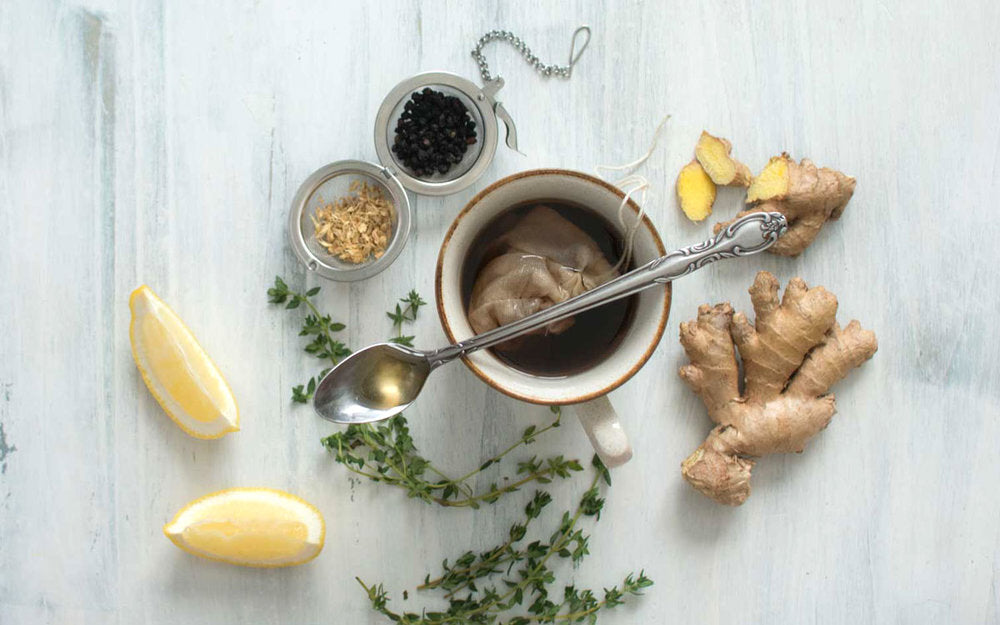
(385,379)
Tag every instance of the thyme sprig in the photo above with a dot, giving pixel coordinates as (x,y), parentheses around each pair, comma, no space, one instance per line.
(408,312)
(315,324)
(525,572)
(386,452)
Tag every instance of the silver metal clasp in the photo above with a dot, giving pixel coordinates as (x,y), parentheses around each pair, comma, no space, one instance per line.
(490,90)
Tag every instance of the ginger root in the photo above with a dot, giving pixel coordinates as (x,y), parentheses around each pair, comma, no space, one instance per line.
(714,154)
(792,354)
(806,195)
(695,191)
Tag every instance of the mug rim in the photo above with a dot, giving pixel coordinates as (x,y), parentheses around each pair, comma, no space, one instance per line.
(439,299)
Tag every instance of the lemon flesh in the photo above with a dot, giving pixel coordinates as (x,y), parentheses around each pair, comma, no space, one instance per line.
(177,371)
(256,527)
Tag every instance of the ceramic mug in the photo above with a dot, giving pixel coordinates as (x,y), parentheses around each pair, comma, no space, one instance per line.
(585,390)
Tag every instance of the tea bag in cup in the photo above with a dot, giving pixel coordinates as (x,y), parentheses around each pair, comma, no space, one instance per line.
(544,259)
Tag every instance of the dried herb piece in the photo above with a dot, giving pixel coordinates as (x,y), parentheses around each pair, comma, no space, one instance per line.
(358,226)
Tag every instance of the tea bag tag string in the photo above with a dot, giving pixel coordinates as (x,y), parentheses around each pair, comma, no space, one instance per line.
(630,184)
(491,85)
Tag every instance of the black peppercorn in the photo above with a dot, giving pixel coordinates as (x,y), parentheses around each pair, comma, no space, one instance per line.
(433,133)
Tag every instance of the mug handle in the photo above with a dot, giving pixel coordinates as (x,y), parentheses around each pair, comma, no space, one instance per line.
(603,428)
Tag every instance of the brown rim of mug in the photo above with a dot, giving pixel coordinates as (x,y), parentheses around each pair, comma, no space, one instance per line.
(451,335)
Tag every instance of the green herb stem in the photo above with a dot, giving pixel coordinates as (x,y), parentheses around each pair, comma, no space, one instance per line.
(532,577)
(556,547)
(526,438)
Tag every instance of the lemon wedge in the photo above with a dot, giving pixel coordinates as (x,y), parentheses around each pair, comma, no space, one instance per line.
(258,527)
(177,371)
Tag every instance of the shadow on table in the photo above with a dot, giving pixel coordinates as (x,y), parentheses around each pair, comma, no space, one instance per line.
(700,518)
(196,585)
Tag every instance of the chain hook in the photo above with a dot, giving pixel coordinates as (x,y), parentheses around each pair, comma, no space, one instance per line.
(574,54)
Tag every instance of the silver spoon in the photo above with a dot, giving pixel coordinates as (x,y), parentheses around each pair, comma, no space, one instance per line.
(380,381)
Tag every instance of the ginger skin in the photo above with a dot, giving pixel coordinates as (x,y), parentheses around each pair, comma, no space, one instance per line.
(714,154)
(806,195)
(695,191)
(792,354)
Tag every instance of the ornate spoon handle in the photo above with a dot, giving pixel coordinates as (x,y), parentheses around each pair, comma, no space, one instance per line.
(746,236)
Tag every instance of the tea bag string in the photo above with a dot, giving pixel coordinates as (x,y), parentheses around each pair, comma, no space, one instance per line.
(630,184)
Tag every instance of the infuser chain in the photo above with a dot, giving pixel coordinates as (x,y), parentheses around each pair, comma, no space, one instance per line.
(562,71)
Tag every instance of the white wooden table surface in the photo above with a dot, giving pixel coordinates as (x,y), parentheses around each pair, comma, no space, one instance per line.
(161,143)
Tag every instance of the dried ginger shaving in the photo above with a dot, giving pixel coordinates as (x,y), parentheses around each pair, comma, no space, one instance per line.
(358,226)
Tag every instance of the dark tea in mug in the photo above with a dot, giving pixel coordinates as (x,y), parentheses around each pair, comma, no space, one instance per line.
(557,350)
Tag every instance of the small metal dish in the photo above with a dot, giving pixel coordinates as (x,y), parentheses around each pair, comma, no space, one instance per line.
(327,184)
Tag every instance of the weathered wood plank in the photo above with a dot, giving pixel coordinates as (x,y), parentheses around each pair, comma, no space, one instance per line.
(161,143)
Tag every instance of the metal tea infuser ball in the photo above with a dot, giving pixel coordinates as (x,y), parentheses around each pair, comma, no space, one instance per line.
(482,104)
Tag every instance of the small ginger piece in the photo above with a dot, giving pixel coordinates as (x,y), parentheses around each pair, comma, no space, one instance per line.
(714,154)
(806,195)
(695,191)
(792,354)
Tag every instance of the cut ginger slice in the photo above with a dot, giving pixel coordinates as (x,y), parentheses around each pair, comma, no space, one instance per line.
(772,182)
(714,154)
(695,191)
